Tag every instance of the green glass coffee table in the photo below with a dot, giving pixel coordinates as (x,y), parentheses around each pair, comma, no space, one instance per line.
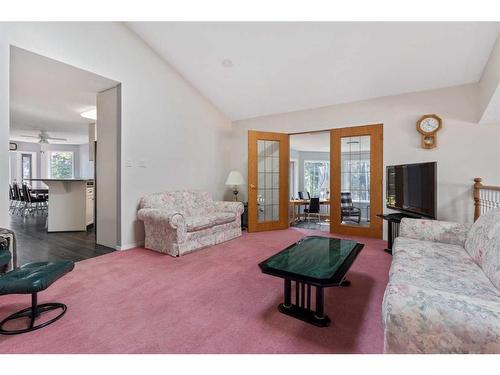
(313,261)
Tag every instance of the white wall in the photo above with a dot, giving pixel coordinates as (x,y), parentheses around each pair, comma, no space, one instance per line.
(181,137)
(465,149)
(489,85)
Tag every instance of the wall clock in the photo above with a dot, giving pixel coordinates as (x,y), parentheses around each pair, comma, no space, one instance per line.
(428,126)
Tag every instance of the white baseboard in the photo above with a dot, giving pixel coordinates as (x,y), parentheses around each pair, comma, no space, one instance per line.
(130,246)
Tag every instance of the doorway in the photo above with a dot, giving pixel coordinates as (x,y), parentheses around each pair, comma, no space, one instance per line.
(334,184)
(310,198)
(57,114)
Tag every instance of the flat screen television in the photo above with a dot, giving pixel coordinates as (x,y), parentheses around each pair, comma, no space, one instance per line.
(411,188)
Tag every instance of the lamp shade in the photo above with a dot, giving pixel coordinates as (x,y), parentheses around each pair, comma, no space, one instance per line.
(235,178)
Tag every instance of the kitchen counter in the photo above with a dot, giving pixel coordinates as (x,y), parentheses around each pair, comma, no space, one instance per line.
(71,204)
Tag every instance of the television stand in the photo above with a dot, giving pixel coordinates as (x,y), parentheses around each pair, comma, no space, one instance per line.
(393,221)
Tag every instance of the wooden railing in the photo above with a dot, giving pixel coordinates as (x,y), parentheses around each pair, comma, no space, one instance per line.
(485,197)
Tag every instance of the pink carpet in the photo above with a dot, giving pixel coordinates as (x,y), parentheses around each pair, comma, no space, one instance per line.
(212,301)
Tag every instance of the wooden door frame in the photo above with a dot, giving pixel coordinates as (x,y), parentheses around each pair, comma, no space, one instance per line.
(284,161)
(375,132)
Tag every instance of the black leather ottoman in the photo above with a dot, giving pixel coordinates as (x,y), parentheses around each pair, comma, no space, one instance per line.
(32,278)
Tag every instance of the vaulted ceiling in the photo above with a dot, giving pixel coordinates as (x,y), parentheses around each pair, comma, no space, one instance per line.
(253,69)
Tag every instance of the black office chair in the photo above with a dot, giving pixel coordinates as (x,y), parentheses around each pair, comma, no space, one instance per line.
(347,209)
(314,208)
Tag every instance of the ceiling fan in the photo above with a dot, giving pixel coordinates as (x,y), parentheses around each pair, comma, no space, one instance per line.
(44,137)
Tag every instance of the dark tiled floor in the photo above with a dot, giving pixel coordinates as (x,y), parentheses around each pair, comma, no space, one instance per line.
(35,244)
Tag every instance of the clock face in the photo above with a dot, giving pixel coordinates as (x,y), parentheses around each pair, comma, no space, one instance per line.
(429,125)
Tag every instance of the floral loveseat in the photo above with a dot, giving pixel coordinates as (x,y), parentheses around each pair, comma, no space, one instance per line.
(443,294)
(179,222)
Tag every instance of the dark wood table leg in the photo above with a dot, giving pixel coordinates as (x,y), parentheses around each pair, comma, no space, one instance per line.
(389,237)
(288,293)
(301,308)
(320,303)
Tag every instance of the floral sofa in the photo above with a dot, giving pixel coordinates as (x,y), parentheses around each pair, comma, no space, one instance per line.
(443,294)
(179,222)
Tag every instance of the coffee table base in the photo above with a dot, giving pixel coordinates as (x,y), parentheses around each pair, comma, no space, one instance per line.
(302,309)
(305,315)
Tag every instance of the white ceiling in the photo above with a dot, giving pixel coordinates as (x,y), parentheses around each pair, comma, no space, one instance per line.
(282,67)
(46,94)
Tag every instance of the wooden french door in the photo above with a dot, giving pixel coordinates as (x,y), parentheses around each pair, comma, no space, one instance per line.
(356,170)
(268,158)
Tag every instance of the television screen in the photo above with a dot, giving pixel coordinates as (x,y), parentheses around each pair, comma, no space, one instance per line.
(412,188)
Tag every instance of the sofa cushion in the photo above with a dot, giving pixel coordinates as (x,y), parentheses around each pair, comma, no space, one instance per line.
(196,223)
(439,266)
(483,244)
(223,217)
(434,230)
(491,263)
(427,320)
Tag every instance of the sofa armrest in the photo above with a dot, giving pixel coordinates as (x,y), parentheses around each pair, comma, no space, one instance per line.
(157,216)
(236,207)
(434,230)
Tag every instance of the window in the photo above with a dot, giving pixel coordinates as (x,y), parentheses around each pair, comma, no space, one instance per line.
(317,178)
(61,164)
(26,166)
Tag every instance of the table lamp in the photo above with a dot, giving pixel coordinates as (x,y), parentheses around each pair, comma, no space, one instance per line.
(235,179)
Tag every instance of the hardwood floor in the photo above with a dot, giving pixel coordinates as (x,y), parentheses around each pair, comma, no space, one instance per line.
(35,244)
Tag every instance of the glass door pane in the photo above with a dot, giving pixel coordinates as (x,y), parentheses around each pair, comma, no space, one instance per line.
(268,180)
(355,180)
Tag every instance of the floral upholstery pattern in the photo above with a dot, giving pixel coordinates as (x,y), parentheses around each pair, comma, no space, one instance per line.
(434,230)
(179,222)
(423,320)
(442,298)
(483,244)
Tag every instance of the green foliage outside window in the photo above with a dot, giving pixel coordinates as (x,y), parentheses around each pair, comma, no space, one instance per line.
(317,178)
(61,164)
